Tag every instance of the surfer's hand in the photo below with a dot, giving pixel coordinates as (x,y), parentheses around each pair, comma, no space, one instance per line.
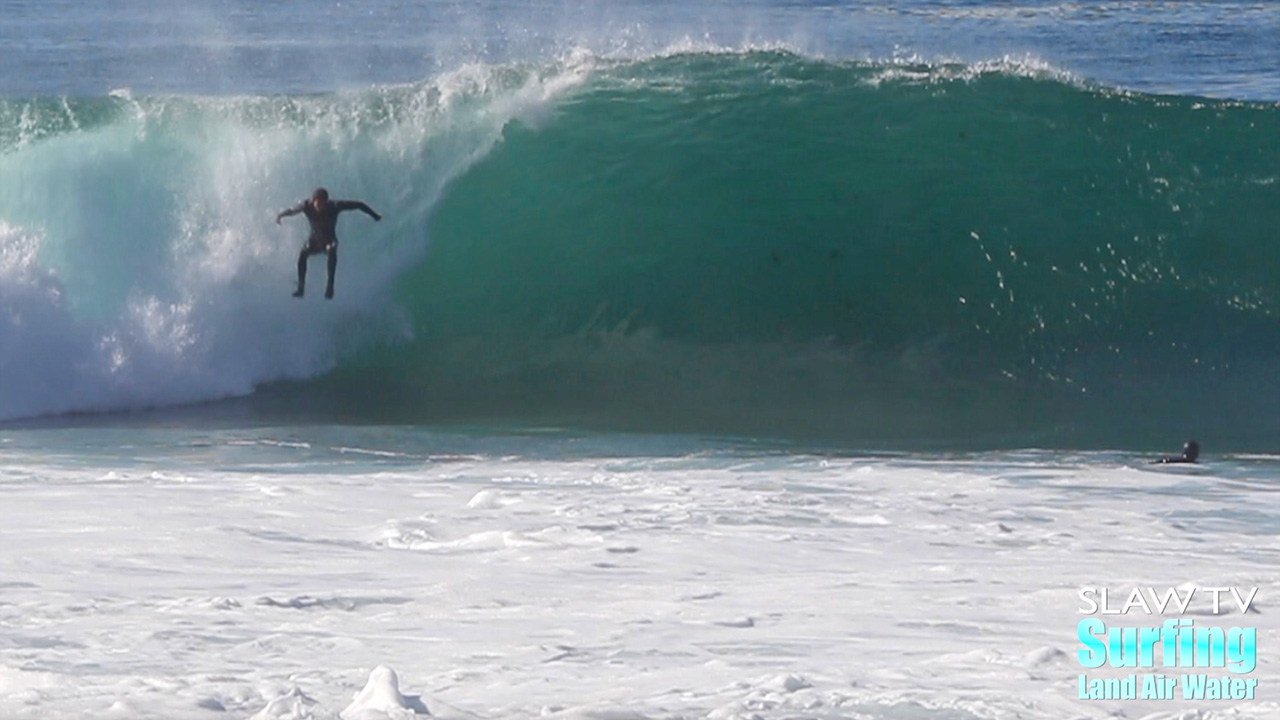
(377,217)
(277,219)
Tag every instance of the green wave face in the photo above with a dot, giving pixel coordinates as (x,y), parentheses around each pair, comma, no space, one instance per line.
(770,243)
(741,243)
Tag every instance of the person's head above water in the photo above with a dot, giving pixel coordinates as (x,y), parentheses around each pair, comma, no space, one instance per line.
(320,196)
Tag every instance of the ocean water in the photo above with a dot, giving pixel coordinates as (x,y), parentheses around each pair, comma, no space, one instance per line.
(723,360)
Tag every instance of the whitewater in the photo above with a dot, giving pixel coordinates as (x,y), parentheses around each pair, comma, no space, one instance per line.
(279,572)
(749,361)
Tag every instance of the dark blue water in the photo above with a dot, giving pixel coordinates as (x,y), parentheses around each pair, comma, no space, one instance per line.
(1219,49)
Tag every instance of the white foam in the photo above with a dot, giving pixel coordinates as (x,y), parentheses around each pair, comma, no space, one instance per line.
(380,699)
(491,499)
(703,585)
(292,705)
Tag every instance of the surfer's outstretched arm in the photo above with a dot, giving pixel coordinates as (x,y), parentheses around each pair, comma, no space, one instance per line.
(357,205)
(291,211)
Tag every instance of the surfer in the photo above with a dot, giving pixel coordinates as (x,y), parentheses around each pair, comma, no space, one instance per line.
(1190,452)
(323,216)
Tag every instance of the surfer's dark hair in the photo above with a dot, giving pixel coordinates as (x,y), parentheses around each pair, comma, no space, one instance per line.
(320,193)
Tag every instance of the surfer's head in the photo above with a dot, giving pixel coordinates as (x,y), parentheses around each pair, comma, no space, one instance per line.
(320,196)
(1191,451)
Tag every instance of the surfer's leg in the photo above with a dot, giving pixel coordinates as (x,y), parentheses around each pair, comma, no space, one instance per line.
(302,271)
(333,268)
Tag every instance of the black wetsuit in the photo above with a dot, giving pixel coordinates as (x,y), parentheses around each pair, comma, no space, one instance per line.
(1190,453)
(324,235)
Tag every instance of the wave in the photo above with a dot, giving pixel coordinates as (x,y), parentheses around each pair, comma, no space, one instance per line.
(138,263)
(754,242)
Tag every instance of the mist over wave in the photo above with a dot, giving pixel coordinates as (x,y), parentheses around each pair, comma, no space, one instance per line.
(756,242)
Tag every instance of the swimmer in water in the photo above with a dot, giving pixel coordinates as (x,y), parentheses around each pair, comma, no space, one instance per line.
(322,213)
(1190,452)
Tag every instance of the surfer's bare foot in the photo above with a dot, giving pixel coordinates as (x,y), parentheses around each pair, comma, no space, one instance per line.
(328,294)
(297,293)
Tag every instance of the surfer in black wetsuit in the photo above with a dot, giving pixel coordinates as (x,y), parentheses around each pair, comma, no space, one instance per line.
(1190,452)
(323,216)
